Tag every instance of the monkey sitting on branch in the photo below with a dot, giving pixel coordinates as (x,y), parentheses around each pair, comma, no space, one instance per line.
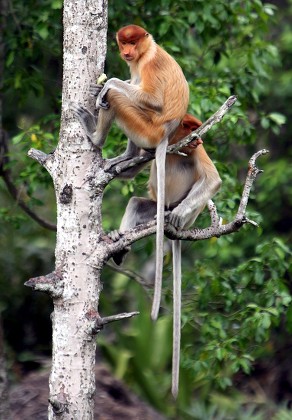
(191,179)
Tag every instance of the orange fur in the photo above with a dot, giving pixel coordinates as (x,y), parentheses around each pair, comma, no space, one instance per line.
(148,110)
(162,93)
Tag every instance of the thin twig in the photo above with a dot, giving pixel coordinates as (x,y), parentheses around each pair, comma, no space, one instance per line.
(130,274)
(5,172)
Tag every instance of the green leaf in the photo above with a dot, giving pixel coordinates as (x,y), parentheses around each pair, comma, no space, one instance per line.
(269,10)
(10,58)
(57,4)
(17,139)
(252,305)
(265,320)
(278,118)
(265,123)
(43,31)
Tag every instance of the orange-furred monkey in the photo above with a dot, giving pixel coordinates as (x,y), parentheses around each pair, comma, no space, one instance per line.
(148,109)
(190,181)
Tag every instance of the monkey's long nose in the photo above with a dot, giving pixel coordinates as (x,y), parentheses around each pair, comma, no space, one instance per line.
(128,57)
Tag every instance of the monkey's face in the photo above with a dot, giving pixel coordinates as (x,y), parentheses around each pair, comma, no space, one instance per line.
(129,51)
(186,127)
(133,41)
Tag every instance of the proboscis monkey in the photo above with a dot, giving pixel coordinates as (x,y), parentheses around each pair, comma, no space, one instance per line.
(148,109)
(190,181)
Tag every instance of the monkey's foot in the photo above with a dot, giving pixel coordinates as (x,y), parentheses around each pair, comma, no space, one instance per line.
(115,235)
(175,220)
(115,161)
(78,110)
(177,217)
(119,256)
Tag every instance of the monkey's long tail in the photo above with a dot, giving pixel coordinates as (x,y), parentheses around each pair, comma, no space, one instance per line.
(176,258)
(160,156)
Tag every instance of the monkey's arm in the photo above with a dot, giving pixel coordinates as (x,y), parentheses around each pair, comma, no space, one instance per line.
(189,209)
(131,151)
(152,101)
(139,210)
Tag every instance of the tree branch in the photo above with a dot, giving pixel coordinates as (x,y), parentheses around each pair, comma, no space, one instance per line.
(130,274)
(214,230)
(99,322)
(39,156)
(52,283)
(214,119)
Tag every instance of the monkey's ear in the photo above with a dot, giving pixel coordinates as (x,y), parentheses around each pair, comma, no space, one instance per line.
(146,34)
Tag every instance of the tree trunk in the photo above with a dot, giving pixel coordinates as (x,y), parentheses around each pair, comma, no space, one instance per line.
(78,178)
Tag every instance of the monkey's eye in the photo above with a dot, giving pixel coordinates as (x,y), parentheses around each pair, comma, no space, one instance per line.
(133,43)
(123,43)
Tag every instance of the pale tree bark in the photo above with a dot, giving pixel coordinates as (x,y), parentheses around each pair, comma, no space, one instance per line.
(82,248)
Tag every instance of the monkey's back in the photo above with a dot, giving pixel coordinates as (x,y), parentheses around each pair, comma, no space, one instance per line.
(162,75)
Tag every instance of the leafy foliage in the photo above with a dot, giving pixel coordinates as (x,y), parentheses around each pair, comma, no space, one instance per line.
(236,289)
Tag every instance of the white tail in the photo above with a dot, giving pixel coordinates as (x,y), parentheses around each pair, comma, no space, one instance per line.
(160,164)
(176,261)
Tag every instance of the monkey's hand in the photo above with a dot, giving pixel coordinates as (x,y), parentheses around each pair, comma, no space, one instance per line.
(95,89)
(179,215)
(101,101)
(113,83)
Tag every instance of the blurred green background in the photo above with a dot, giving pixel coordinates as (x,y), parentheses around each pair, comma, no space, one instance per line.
(237,312)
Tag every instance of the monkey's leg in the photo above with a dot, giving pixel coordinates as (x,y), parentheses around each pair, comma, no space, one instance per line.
(133,121)
(137,96)
(139,210)
(131,151)
(176,258)
(104,123)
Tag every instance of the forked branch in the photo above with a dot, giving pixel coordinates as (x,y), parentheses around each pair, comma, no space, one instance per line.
(214,230)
